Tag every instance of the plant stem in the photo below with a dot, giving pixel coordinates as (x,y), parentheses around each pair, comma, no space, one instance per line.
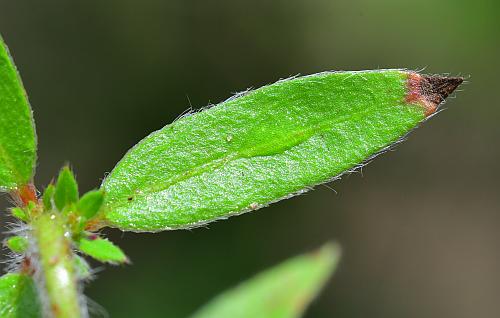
(55,273)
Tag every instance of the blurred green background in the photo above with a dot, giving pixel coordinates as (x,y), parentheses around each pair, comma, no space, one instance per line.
(419,226)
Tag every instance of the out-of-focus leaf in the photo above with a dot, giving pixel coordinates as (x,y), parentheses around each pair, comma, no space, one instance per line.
(18,244)
(66,191)
(48,196)
(19,213)
(18,297)
(284,291)
(102,250)
(82,267)
(17,129)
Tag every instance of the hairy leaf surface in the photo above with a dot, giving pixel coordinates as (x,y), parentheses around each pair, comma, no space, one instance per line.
(18,297)
(17,131)
(258,148)
(284,291)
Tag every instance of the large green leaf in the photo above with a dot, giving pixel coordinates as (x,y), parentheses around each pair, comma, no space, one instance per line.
(18,297)
(284,291)
(263,146)
(17,131)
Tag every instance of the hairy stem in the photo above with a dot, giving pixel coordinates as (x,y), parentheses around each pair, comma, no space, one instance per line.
(55,273)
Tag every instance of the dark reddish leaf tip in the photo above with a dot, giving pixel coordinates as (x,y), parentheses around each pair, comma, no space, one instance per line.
(430,91)
(437,88)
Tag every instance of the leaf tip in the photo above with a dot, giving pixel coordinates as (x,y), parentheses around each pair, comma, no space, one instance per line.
(66,188)
(330,251)
(431,90)
(327,256)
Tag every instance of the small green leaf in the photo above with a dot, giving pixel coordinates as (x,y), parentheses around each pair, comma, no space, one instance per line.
(90,203)
(66,191)
(263,146)
(31,206)
(102,250)
(48,196)
(19,213)
(82,267)
(18,244)
(17,129)
(18,297)
(283,291)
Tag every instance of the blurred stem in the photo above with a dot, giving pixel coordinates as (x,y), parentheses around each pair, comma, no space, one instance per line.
(55,273)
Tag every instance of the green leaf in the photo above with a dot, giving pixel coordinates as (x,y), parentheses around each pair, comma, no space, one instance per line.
(82,267)
(17,129)
(18,244)
(284,291)
(19,213)
(263,146)
(47,197)
(90,203)
(66,191)
(102,250)
(18,297)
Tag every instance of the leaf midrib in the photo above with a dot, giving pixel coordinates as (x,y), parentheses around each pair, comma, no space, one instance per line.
(218,162)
